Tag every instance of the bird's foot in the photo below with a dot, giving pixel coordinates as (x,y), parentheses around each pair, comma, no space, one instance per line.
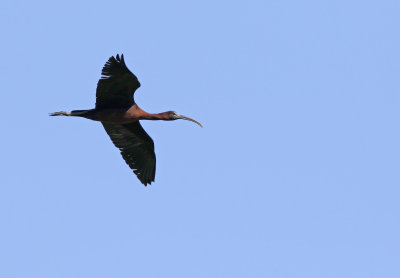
(61,113)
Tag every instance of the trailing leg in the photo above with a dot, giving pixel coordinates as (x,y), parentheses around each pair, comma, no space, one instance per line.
(78,113)
(61,113)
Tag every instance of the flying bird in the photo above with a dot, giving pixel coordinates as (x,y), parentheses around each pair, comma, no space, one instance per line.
(116,109)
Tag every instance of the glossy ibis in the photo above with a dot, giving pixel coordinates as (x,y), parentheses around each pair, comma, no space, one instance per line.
(117,111)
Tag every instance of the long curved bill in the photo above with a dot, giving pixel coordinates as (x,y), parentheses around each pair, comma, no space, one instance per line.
(189,119)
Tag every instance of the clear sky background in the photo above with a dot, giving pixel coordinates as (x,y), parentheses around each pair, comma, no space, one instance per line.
(295,173)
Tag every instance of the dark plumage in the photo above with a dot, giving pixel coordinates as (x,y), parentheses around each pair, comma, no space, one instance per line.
(137,148)
(117,111)
(117,85)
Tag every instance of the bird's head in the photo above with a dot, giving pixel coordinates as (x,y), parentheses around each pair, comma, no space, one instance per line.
(172,115)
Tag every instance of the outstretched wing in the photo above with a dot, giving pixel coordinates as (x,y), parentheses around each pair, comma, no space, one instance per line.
(117,85)
(137,148)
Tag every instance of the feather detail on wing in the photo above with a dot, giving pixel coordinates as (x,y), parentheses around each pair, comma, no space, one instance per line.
(137,149)
(117,85)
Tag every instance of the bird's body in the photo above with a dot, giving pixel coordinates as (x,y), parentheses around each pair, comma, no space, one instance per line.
(120,116)
(115,115)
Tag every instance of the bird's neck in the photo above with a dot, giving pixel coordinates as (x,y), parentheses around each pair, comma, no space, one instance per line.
(138,113)
(151,116)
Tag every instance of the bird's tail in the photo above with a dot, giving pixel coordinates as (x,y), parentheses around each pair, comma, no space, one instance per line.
(72,113)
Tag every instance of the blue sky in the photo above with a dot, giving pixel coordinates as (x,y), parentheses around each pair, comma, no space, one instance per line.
(295,173)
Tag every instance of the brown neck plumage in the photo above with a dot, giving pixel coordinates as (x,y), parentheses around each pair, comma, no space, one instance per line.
(138,113)
(149,116)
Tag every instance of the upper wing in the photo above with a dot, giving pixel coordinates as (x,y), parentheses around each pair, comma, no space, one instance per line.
(117,85)
(137,148)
